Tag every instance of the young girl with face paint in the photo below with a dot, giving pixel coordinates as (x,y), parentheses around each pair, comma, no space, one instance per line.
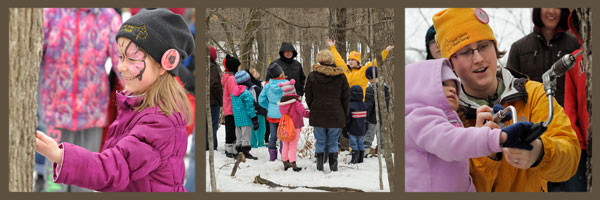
(146,143)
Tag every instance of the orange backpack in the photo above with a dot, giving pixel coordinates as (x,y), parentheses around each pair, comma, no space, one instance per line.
(286,130)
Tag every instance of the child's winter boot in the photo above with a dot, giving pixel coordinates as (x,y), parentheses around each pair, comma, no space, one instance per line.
(272,154)
(286,165)
(247,154)
(294,167)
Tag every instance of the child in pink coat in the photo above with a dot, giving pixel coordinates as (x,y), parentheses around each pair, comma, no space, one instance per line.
(291,104)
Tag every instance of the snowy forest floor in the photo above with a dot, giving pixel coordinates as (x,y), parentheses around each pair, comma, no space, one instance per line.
(363,176)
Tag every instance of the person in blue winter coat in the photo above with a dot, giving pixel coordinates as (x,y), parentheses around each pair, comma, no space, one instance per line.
(244,115)
(268,98)
(356,124)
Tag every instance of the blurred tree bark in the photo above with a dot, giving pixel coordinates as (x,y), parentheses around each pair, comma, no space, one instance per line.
(249,36)
(337,22)
(585,14)
(25,51)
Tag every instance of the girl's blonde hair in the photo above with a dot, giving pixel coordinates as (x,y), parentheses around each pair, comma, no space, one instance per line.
(169,96)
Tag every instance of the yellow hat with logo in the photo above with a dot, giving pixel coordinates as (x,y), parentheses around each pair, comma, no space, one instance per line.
(459,27)
(354,55)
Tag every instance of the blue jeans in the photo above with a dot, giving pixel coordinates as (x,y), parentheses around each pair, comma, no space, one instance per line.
(577,183)
(214,114)
(273,135)
(357,142)
(190,184)
(327,138)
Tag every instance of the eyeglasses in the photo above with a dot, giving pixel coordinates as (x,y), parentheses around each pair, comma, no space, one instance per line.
(484,48)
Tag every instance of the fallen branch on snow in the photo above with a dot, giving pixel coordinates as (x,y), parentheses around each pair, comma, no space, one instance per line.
(240,158)
(263,181)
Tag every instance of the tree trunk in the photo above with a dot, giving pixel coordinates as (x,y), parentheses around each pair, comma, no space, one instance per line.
(388,145)
(229,42)
(585,14)
(306,44)
(211,150)
(25,51)
(248,38)
(211,157)
(261,45)
(337,20)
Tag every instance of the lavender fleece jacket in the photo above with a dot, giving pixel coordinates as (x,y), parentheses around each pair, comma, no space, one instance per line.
(143,152)
(438,148)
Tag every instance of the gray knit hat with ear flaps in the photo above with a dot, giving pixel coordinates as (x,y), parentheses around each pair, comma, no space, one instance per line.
(158,30)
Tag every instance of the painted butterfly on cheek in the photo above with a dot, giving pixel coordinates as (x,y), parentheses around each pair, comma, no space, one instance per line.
(135,60)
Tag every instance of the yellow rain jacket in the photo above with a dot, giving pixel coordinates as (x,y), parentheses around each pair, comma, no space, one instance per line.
(355,76)
(560,145)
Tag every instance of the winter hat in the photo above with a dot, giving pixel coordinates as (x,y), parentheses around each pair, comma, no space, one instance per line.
(274,70)
(369,72)
(354,55)
(162,34)
(213,53)
(288,87)
(428,37)
(241,77)
(459,27)
(231,63)
(448,74)
(289,47)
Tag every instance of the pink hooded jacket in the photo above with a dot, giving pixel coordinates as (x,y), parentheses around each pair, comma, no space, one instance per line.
(143,153)
(228,81)
(438,148)
(289,104)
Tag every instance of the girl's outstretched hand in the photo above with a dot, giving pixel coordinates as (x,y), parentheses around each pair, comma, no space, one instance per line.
(330,42)
(46,146)
(389,48)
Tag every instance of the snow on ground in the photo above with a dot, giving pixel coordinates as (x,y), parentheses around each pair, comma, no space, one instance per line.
(363,176)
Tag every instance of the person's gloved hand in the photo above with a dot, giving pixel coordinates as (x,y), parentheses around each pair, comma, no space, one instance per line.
(507,116)
(514,133)
(255,123)
(534,132)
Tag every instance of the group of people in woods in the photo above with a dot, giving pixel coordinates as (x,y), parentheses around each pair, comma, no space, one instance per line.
(453,143)
(334,92)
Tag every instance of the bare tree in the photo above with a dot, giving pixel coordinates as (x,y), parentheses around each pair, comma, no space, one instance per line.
(211,150)
(585,14)
(249,36)
(25,52)
(337,20)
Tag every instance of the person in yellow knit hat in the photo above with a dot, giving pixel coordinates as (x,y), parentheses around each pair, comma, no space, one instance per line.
(353,70)
(466,39)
